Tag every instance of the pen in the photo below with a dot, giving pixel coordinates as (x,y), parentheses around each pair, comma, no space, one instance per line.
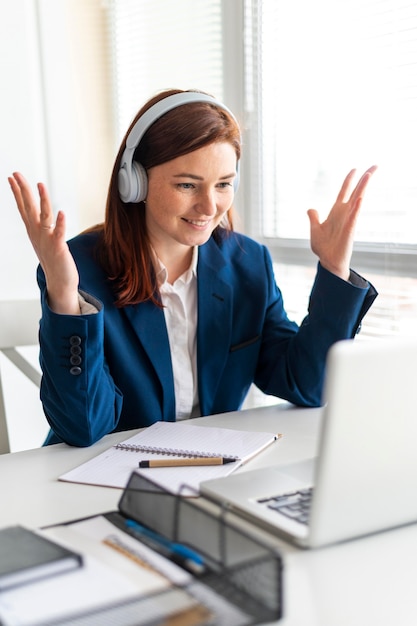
(177,552)
(210,460)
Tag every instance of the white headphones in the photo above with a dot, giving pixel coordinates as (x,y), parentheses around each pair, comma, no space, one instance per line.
(132,177)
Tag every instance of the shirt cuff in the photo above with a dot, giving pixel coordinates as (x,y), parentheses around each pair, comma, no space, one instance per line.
(88,304)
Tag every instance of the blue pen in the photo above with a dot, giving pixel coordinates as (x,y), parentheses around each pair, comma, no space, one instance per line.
(177,552)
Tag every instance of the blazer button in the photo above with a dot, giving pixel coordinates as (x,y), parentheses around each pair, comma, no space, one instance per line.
(75,340)
(75,370)
(75,360)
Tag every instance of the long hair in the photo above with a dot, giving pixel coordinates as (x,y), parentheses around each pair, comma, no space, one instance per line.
(124,249)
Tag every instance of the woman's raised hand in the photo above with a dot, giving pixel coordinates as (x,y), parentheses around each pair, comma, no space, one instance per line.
(332,239)
(48,240)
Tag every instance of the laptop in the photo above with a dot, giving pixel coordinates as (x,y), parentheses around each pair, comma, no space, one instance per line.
(364,479)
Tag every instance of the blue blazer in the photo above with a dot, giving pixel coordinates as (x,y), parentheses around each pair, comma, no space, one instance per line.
(112,371)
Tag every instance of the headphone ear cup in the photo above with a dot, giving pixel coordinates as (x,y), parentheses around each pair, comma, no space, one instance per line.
(133,184)
(139,182)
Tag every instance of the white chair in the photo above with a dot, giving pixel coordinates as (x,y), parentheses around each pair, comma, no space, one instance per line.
(19,325)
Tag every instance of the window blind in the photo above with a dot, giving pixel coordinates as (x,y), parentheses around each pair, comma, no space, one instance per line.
(338,89)
(162,45)
(334,86)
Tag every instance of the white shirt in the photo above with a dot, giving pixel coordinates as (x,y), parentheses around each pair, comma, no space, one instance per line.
(180,309)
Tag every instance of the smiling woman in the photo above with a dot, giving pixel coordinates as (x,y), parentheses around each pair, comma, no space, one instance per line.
(168,313)
(90,63)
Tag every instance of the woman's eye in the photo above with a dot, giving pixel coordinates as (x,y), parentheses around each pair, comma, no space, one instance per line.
(192,186)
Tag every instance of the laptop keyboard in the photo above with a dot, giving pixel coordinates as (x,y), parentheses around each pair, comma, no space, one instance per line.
(295,505)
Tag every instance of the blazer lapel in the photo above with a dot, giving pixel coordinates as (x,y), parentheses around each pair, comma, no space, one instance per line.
(213,331)
(214,323)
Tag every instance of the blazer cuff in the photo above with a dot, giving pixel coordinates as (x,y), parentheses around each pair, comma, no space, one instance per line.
(357,280)
(351,298)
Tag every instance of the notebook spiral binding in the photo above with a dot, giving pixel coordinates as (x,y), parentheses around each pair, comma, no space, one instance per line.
(171,451)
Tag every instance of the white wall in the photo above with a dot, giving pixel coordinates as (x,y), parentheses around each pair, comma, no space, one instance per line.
(22,140)
(78,105)
(22,135)
(55,126)
(55,120)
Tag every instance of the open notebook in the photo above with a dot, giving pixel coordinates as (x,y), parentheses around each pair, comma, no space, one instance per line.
(113,467)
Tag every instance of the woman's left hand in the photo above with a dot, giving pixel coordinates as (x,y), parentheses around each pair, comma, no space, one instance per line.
(332,240)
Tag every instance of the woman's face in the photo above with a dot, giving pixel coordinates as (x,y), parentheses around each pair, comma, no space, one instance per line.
(188,196)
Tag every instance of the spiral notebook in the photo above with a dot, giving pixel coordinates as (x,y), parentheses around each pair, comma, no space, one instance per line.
(113,467)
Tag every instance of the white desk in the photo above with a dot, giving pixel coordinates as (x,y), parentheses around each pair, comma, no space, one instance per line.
(366,582)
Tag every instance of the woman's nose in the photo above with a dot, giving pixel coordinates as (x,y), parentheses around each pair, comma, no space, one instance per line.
(207,203)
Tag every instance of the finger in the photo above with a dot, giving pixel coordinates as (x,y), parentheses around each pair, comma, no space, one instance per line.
(16,192)
(347,183)
(26,195)
(20,202)
(313,217)
(60,225)
(14,184)
(363,183)
(352,215)
(26,202)
(46,213)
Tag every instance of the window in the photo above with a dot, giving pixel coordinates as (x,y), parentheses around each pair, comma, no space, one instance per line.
(334,86)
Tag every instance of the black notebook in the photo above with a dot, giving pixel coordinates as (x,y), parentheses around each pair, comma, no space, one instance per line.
(26,556)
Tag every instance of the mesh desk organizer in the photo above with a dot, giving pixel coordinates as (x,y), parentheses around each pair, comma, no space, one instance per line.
(240,568)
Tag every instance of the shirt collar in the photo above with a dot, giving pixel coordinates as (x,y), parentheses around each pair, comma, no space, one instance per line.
(162,274)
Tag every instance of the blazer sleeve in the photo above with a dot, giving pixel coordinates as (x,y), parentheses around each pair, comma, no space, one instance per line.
(293,367)
(76,384)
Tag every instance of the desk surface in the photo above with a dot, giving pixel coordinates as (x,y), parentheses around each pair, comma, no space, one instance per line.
(363,582)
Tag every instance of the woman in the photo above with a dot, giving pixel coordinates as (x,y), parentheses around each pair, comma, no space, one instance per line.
(164,312)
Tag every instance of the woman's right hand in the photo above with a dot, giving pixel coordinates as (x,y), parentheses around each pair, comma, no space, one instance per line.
(49,243)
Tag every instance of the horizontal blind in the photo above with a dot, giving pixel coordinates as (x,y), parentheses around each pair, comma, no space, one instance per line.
(334,86)
(338,89)
(393,313)
(163,45)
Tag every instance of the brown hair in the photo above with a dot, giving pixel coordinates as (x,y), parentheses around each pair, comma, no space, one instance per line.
(124,249)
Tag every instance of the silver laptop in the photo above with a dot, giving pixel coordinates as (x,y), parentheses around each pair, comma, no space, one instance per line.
(364,479)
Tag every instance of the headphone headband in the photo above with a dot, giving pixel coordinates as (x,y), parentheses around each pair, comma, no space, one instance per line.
(132,178)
